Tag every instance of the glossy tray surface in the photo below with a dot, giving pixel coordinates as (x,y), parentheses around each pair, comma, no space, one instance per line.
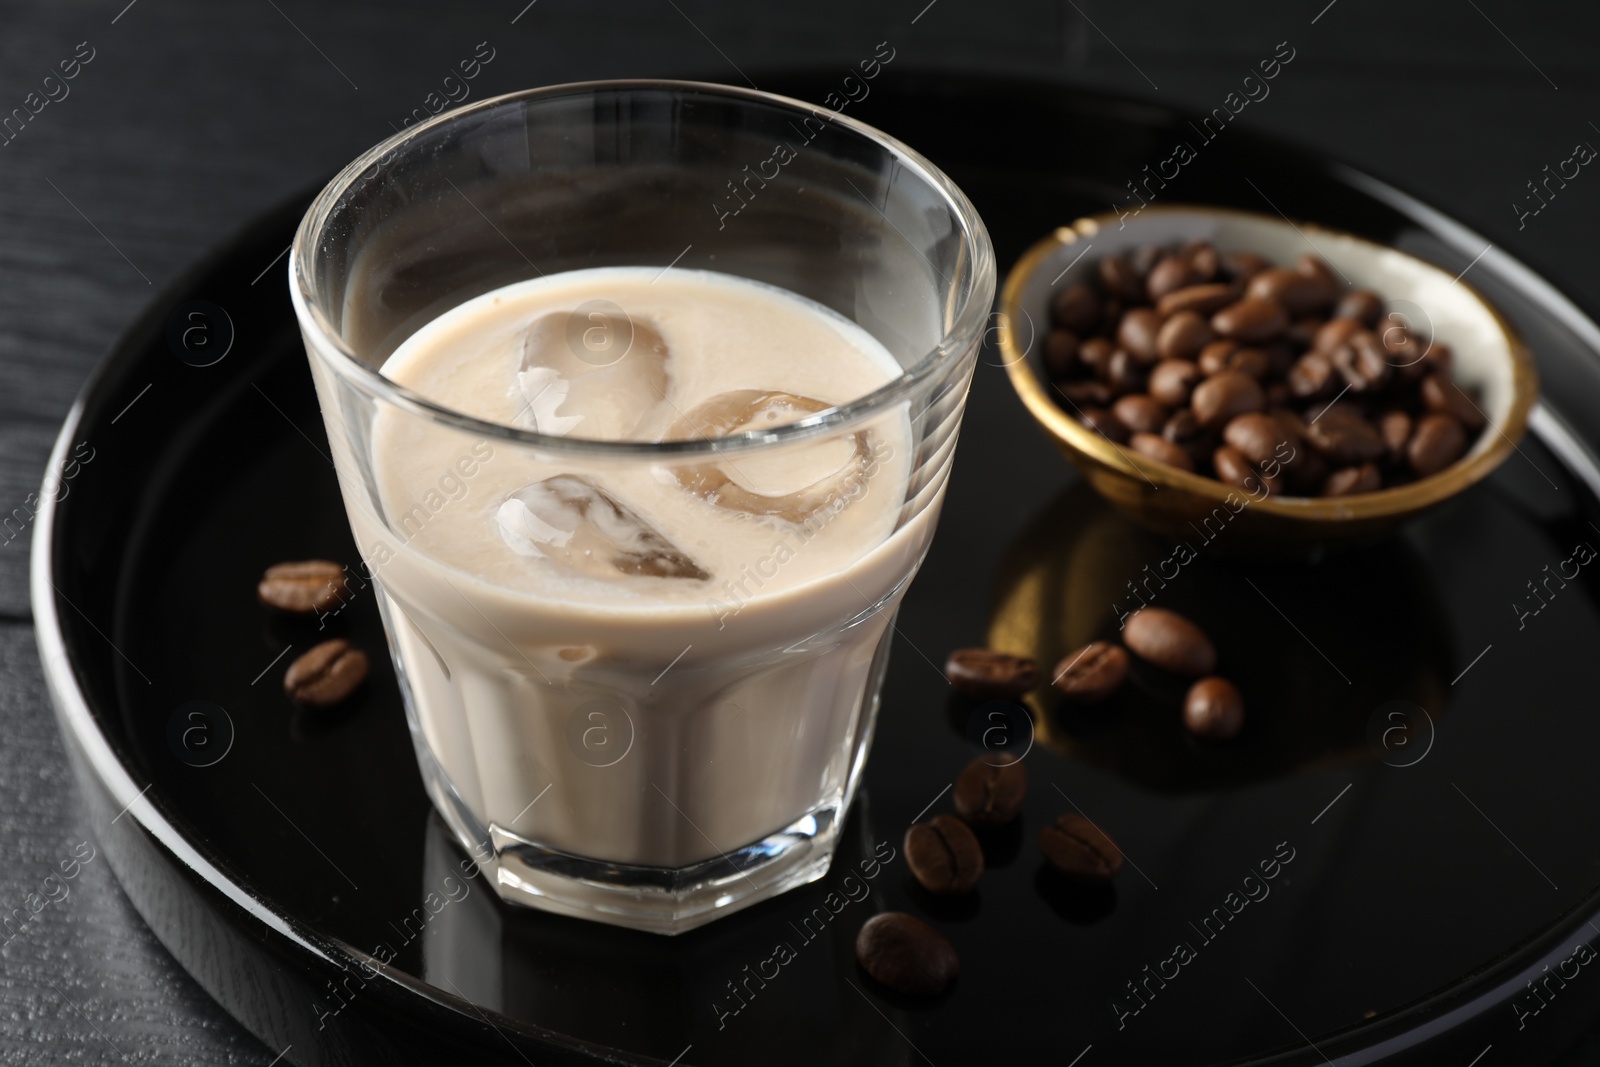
(1418,879)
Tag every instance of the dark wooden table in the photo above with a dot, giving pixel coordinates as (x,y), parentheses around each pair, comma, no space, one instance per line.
(185,119)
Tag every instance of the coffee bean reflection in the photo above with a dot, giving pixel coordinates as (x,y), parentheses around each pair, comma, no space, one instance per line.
(1312,646)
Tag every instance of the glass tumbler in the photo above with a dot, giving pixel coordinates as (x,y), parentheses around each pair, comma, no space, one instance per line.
(652,763)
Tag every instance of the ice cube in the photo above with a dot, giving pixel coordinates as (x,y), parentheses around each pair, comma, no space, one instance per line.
(573,522)
(595,371)
(794,484)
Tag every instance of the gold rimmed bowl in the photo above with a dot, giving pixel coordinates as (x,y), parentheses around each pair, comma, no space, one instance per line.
(1490,361)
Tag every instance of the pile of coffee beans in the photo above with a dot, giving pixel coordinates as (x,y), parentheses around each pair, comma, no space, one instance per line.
(1270,379)
(331,671)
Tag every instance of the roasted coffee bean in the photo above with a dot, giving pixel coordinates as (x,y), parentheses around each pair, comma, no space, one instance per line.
(1242,266)
(990,791)
(1081,394)
(1233,468)
(1317,267)
(1308,473)
(1137,334)
(944,856)
(1251,320)
(1203,260)
(1213,358)
(1442,395)
(1125,374)
(1213,710)
(1076,308)
(1121,280)
(1222,396)
(1311,377)
(1301,333)
(1140,413)
(1144,259)
(303,587)
(1334,334)
(990,675)
(1362,364)
(1172,380)
(1170,641)
(1252,361)
(1170,275)
(1095,354)
(1347,481)
(1080,850)
(1344,438)
(1158,448)
(1359,305)
(1395,429)
(1105,424)
(1183,335)
(1060,353)
(1202,298)
(1299,293)
(1092,673)
(1438,442)
(1262,438)
(906,954)
(326,675)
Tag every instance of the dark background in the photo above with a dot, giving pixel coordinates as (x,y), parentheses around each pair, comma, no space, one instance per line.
(193,117)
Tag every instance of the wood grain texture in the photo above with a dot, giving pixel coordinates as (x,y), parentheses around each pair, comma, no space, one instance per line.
(193,117)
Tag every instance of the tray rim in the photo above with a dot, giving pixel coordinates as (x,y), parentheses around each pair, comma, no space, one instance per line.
(1404,1030)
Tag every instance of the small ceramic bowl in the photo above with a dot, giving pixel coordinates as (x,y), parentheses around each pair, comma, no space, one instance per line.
(1489,359)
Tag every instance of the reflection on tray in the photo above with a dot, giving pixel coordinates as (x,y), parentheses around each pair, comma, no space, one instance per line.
(1341,660)
(723,987)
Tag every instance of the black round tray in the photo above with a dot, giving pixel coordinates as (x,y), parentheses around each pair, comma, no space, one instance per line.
(291,863)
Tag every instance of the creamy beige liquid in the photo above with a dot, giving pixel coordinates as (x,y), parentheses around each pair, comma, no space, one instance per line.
(635,717)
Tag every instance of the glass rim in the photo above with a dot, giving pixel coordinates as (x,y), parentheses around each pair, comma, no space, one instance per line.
(964,331)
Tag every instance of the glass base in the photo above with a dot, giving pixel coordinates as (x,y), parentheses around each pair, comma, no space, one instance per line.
(663,900)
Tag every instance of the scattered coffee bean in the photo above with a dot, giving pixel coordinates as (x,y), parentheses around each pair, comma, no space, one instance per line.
(989,792)
(1152,446)
(303,587)
(1170,641)
(944,856)
(1165,350)
(326,675)
(1092,673)
(990,675)
(1080,850)
(1213,709)
(906,954)
(1438,442)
